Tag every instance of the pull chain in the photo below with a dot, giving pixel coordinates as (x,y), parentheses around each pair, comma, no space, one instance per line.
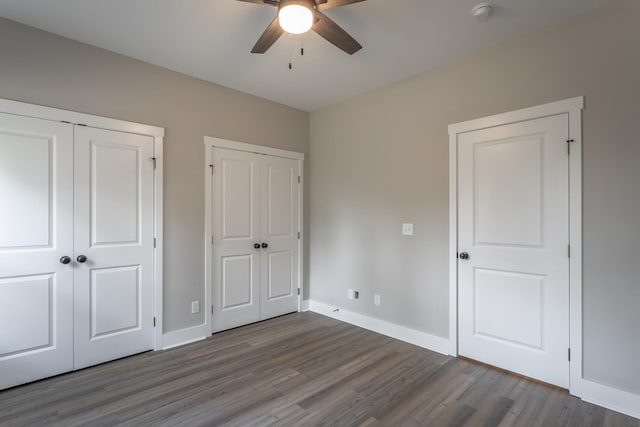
(290,64)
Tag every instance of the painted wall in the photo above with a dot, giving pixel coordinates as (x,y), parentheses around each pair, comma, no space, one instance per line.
(45,69)
(380,159)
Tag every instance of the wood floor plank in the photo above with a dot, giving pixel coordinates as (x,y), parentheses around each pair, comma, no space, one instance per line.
(296,370)
(445,387)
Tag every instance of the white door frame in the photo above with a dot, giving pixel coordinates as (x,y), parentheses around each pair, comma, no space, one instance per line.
(209,143)
(58,115)
(573,108)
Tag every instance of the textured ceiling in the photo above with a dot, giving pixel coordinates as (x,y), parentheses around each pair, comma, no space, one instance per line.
(212,39)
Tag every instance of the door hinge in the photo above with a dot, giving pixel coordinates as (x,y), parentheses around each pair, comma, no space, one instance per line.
(154,243)
(211,309)
(298,235)
(211,166)
(154,322)
(298,291)
(212,239)
(569,141)
(568,251)
(153,159)
(298,179)
(569,354)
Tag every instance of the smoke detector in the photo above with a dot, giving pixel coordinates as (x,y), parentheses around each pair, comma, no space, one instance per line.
(481,11)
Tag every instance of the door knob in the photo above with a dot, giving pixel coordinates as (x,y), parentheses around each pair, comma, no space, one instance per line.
(464,255)
(65,260)
(81,258)
(256,245)
(264,245)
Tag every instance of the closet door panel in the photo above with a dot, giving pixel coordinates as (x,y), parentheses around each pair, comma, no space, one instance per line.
(36,288)
(114,232)
(279,218)
(236,229)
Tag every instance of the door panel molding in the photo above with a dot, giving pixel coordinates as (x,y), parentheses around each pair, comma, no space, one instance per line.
(573,108)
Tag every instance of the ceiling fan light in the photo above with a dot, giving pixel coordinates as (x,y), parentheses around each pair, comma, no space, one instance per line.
(295,18)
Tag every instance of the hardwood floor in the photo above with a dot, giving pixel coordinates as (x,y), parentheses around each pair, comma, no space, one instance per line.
(300,369)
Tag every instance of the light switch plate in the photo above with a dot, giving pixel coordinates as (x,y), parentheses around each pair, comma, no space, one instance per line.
(407,229)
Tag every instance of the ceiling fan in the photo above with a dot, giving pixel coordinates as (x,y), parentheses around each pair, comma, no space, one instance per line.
(300,16)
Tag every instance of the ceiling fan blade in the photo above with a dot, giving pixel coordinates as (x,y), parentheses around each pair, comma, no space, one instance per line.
(330,4)
(269,37)
(271,2)
(334,34)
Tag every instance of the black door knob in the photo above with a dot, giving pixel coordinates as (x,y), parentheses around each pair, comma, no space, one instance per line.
(464,255)
(81,258)
(256,245)
(65,260)
(264,245)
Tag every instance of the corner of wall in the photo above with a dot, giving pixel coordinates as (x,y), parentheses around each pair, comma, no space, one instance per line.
(402,333)
(184,336)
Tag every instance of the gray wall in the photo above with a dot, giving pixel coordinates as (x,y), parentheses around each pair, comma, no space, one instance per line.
(380,159)
(45,69)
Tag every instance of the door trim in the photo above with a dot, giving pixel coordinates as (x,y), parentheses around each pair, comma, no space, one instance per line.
(211,142)
(60,115)
(573,108)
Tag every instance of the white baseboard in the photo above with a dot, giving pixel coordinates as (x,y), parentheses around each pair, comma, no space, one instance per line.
(305,305)
(412,336)
(611,398)
(184,336)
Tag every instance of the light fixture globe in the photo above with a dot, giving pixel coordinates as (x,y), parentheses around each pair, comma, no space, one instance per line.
(296,16)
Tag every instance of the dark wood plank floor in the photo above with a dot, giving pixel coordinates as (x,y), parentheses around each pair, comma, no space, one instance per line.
(296,370)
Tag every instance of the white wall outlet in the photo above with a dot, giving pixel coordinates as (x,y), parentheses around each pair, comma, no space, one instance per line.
(195,307)
(376,299)
(350,293)
(407,229)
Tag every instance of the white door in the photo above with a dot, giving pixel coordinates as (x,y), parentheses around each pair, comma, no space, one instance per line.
(513,225)
(113,191)
(279,226)
(255,237)
(236,229)
(36,229)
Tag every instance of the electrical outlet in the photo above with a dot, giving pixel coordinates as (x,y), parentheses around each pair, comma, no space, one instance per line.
(350,294)
(376,299)
(195,307)
(407,229)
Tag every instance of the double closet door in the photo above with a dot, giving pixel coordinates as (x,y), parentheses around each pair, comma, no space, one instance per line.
(76,247)
(256,236)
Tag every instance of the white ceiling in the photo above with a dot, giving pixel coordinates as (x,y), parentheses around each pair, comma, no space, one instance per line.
(212,39)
